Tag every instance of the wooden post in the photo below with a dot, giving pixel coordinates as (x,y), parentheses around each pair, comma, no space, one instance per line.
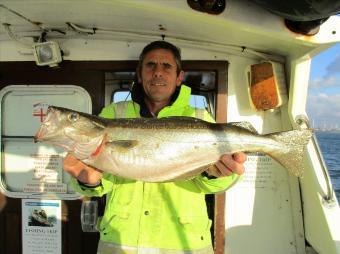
(221,117)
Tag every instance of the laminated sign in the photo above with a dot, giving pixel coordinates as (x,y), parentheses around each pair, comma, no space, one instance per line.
(41,226)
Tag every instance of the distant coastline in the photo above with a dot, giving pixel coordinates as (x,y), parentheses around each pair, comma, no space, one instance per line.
(327,130)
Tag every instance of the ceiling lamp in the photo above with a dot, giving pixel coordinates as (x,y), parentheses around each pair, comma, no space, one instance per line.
(47,53)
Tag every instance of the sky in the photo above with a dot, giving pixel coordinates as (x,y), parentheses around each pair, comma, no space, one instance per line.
(323,103)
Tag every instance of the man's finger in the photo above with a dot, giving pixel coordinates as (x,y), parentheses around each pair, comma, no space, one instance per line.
(223,169)
(213,171)
(240,157)
(233,165)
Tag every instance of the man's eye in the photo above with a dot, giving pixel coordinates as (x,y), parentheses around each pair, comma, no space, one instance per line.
(150,65)
(167,66)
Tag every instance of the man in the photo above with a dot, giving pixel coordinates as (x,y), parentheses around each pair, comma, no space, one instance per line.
(156,217)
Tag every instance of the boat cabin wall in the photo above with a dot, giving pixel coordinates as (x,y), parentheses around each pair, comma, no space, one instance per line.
(85,64)
(240,107)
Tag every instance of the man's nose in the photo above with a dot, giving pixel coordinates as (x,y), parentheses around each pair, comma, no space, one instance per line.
(158,70)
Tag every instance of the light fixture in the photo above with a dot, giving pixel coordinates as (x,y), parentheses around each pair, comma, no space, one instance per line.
(47,53)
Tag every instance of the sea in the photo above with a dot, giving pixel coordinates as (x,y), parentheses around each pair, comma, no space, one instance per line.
(329,143)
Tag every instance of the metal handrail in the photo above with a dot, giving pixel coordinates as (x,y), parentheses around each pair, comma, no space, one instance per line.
(303,120)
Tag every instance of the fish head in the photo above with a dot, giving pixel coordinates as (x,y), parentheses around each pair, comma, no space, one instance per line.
(68,129)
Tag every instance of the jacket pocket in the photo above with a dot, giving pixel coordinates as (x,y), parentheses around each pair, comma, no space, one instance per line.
(196,228)
(124,193)
(116,221)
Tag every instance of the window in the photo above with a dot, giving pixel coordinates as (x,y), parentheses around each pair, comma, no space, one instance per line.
(203,83)
(199,101)
(121,95)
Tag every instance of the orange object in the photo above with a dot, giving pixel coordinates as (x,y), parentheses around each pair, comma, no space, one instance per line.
(267,89)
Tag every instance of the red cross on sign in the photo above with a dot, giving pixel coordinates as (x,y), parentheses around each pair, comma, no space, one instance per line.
(40,113)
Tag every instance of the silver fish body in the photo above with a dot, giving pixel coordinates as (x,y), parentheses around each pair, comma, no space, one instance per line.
(166,149)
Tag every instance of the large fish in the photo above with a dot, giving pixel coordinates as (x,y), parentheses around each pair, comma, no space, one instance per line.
(166,149)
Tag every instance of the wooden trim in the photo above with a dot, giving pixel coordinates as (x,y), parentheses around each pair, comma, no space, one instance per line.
(219,223)
(221,117)
(222,94)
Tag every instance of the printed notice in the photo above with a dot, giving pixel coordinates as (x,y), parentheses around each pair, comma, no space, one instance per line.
(45,187)
(258,172)
(41,226)
(47,167)
(46,174)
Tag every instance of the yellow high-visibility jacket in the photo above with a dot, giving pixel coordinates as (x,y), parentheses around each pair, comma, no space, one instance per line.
(171,215)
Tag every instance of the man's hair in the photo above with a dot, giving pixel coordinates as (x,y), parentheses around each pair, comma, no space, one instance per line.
(161,45)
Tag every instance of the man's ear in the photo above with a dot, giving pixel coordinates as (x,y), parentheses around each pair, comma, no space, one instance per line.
(179,78)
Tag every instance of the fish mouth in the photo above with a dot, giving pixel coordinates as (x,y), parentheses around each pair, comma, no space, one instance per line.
(38,137)
(48,126)
(43,133)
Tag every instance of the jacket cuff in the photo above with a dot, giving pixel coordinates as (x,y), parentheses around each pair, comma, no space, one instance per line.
(90,186)
(205,174)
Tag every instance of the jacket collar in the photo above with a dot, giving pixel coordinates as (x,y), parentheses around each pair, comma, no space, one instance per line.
(179,104)
(181,98)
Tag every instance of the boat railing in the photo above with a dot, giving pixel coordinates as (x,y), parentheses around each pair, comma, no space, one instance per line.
(303,123)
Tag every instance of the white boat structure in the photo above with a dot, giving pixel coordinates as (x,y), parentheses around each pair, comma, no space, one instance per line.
(241,59)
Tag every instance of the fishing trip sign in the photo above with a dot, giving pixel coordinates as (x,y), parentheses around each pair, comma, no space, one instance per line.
(41,226)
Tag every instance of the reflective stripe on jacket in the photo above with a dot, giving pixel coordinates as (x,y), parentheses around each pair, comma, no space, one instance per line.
(165,216)
(112,248)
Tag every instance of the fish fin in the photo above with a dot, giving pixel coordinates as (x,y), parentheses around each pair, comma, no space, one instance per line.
(122,144)
(245,125)
(290,155)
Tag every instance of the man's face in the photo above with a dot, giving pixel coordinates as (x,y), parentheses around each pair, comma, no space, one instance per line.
(158,75)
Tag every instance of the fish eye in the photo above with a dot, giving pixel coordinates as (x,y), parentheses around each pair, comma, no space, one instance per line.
(73,116)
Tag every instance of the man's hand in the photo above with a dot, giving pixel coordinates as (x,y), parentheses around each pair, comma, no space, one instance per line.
(81,171)
(228,164)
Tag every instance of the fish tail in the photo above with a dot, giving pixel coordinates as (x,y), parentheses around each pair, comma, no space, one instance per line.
(291,151)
